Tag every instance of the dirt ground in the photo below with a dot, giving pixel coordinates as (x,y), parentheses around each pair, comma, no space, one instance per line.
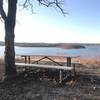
(37,86)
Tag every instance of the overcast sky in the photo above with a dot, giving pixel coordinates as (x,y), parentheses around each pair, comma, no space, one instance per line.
(81,25)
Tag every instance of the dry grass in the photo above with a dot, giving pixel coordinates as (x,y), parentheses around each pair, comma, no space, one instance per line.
(1,61)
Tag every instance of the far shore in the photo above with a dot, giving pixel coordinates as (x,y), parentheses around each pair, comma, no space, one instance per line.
(60,45)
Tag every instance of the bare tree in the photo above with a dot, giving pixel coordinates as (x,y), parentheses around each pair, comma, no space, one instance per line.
(10,21)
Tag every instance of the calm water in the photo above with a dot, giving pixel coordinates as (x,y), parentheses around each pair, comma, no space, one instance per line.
(89,51)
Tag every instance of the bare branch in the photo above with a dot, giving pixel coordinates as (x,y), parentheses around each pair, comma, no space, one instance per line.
(1,19)
(47,3)
(57,3)
(27,4)
(31,5)
(2,12)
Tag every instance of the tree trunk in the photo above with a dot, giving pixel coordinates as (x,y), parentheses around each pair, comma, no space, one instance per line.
(10,68)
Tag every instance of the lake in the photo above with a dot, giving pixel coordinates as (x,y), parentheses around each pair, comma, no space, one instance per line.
(89,51)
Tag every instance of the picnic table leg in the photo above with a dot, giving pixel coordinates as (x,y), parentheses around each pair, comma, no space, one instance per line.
(74,72)
(25,59)
(68,61)
(29,59)
(60,76)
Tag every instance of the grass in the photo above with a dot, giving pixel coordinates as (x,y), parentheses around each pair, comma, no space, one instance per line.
(1,61)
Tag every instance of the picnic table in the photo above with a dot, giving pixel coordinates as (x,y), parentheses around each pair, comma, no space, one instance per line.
(68,64)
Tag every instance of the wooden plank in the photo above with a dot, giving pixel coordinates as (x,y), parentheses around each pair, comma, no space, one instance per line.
(45,66)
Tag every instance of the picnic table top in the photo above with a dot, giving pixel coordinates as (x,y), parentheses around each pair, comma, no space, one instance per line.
(47,55)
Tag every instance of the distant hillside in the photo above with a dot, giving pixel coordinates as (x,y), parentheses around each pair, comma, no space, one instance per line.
(61,45)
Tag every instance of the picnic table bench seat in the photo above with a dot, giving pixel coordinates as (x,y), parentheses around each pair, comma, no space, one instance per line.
(60,68)
(45,66)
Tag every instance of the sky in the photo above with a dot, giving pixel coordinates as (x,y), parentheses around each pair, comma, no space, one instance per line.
(48,24)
